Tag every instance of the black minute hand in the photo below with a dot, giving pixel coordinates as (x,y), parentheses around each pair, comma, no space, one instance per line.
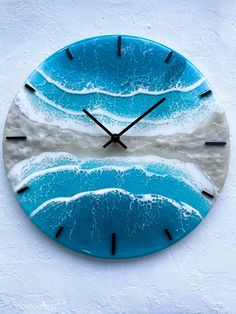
(134,122)
(142,116)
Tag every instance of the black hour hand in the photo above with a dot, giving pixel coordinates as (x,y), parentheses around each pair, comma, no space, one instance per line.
(114,137)
(96,121)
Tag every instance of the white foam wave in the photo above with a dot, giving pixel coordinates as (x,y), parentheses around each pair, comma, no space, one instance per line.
(58,107)
(184,208)
(180,122)
(188,173)
(75,168)
(86,91)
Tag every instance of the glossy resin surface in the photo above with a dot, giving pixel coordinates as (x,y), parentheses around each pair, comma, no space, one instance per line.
(114,202)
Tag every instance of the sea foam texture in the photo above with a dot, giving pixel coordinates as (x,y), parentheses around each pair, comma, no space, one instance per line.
(110,182)
(94,90)
(184,121)
(137,196)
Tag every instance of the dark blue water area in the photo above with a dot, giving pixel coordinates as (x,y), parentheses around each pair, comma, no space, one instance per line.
(64,182)
(96,64)
(139,225)
(96,198)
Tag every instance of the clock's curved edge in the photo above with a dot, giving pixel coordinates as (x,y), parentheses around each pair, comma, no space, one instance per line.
(85,40)
(18,121)
(116,257)
(226,141)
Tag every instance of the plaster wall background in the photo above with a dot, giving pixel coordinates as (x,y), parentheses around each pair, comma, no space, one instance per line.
(196,275)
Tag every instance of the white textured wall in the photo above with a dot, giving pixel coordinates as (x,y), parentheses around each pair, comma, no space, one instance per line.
(196,275)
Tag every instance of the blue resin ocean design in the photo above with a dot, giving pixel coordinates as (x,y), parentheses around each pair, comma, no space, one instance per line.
(136,198)
(117,90)
(148,202)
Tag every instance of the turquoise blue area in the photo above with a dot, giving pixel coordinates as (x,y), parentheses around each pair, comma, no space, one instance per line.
(142,64)
(90,218)
(95,65)
(137,200)
(90,221)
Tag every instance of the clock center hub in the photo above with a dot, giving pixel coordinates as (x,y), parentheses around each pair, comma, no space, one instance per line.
(115,138)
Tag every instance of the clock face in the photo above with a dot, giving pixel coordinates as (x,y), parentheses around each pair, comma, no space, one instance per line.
(116,147)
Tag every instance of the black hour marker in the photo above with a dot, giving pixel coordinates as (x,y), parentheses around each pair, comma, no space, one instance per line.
(170,55)
(16,138)
(29,87)
(59,231)
(113,245)
(69,54)
(167,232)
(212,143)
(119,42)
(207,93)
(207,194)
(25,188)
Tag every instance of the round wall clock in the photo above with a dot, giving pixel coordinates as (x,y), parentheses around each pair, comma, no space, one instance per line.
(116,147)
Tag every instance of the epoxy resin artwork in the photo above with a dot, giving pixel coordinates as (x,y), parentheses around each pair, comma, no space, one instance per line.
(116,147)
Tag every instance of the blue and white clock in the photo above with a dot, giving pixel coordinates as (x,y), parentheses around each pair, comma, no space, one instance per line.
(116,146)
